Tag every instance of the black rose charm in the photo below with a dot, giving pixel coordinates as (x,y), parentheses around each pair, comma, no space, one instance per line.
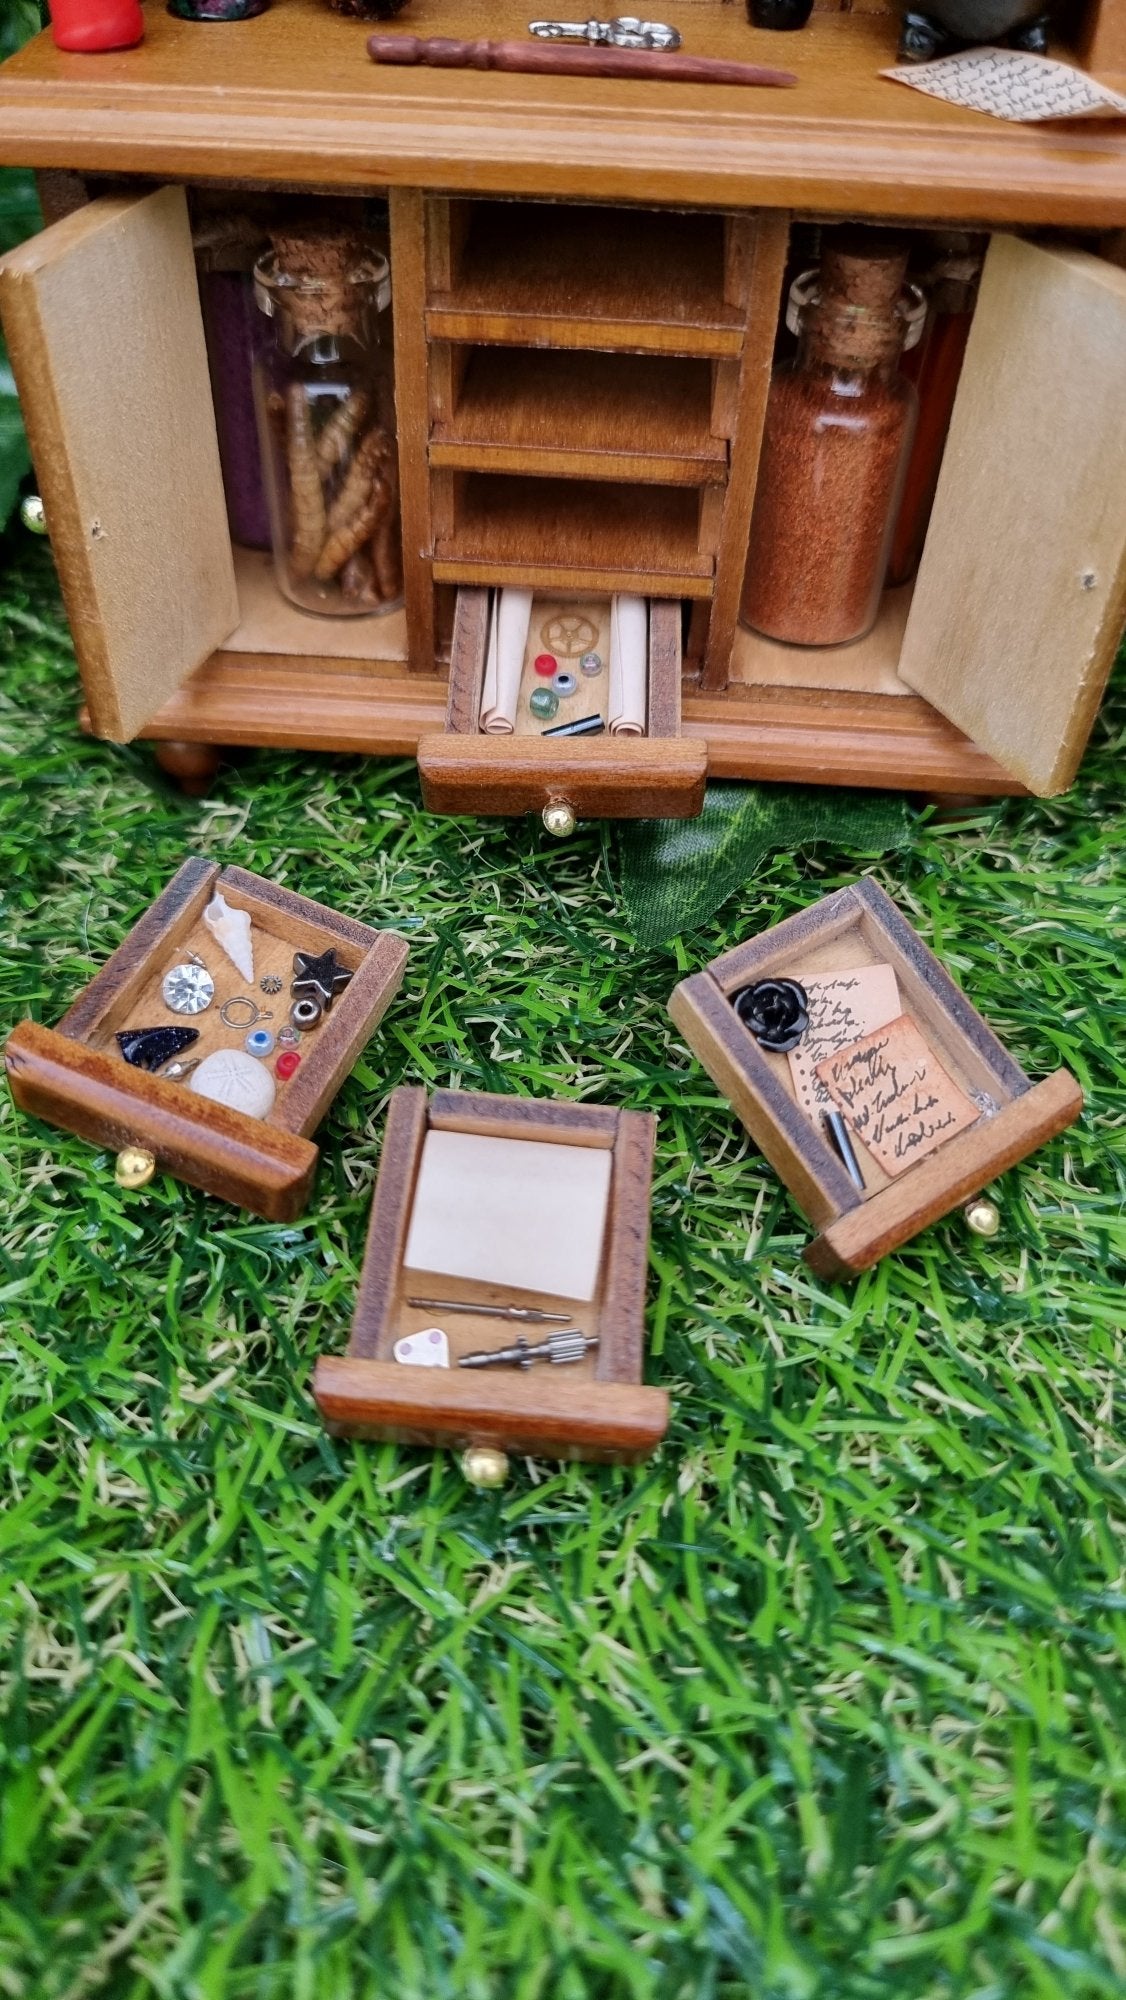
(776,1011)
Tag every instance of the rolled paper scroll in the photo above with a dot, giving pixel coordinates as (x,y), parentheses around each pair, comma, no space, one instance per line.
(629,666)
(504,660)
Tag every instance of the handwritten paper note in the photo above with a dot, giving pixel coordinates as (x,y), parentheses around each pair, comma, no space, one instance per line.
(1007,83)
(843,1006)
(896,1095)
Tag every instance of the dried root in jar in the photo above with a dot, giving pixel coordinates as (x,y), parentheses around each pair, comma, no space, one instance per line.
(337,436)
(386,543)
(357,580)
(351,533)
(306,494)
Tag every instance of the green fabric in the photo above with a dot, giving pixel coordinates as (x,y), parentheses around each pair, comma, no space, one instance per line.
(19,218)
(676,872)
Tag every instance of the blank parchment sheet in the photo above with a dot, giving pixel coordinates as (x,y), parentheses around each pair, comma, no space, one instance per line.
(514,1212)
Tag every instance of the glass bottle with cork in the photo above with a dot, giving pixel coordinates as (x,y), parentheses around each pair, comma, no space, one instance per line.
(325,399)
(839,423)
(935,367)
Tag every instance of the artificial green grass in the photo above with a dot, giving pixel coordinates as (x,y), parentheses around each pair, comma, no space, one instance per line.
(826,1700)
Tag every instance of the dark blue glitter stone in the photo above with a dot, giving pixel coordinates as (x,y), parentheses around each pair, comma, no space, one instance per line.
(151,1048)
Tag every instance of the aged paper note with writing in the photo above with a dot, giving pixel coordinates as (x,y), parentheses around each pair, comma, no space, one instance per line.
(843,1006)
(896,1096)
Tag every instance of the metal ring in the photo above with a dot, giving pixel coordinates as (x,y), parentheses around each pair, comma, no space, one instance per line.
(255,1015)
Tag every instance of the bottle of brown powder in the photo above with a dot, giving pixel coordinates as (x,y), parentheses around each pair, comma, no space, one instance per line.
(838,429)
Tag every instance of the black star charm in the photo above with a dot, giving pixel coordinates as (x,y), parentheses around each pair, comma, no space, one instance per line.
(318,978)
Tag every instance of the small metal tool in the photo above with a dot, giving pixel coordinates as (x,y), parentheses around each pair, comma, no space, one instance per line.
(587,725)
(624,32)
(527,1315)
(838,1133)
(557,1348)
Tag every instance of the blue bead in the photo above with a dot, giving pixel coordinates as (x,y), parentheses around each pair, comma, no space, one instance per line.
(259,1042)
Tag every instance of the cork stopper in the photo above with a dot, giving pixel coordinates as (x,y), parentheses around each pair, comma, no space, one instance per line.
(322,278)
(855,320)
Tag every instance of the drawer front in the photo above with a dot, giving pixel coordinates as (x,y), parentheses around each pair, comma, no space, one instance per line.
(598,777)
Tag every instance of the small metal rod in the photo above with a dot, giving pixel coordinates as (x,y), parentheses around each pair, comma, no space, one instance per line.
(838,1133)
(557,1348)
(588,725)
(527,1315)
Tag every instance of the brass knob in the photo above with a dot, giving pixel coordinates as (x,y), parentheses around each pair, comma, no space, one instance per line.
(134,1167)
(485,1465)
(559,818)
(32,514)
(982,1216)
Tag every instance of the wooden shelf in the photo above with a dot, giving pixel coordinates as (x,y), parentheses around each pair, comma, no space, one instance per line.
(548,275)
(596,416)
(292,97)
(601,537)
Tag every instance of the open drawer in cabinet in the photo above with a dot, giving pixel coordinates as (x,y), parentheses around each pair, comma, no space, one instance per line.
(498,756)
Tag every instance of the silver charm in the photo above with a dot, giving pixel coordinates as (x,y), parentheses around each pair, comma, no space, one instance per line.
(624,32)
(177,1071)
(270,983)
(188,988)
(250,1020)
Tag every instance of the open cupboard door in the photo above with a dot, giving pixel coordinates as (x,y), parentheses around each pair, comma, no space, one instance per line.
(104,329)
(1021,592)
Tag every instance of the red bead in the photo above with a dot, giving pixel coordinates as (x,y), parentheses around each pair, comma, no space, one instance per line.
(546,664)
(90,26)
(286,1064)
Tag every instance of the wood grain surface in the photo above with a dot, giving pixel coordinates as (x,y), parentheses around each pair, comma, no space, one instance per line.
(606,1422)
(937,1185)
(632,778)
(293,97)
(103,324)
(1033,528)
(596,1409)
(242,1160)
(403,1134)
(583,415)
(860,925)
(787,735)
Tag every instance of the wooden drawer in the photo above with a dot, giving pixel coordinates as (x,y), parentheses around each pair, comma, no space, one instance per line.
(656,776)
(860,927)
(75,1076)
(597,1408)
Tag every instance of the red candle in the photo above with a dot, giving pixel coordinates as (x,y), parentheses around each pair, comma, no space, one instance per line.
(88,27)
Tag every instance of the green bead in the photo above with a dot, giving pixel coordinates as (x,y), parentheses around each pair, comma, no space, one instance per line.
(544,703)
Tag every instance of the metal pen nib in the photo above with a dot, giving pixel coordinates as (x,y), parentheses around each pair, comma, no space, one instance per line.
(527,1315)
(557,1348)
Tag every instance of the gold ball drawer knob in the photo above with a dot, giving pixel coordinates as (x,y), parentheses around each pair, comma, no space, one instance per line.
(485,1465)
(559,818)
(33,515)
(982,1216)
(134,1167)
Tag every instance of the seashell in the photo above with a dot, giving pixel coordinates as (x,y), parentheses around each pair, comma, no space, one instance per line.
(231,931)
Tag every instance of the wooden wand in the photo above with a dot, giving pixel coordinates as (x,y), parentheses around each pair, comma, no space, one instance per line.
(550,59)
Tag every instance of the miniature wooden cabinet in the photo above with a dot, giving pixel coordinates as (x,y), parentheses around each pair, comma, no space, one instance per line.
(587,284)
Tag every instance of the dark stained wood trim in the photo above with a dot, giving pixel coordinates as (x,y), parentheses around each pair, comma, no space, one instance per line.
(161,926)
(547,1119)
(621,1316)
(387,1225)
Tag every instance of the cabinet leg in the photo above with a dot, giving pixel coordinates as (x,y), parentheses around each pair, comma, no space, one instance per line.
(193,765)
